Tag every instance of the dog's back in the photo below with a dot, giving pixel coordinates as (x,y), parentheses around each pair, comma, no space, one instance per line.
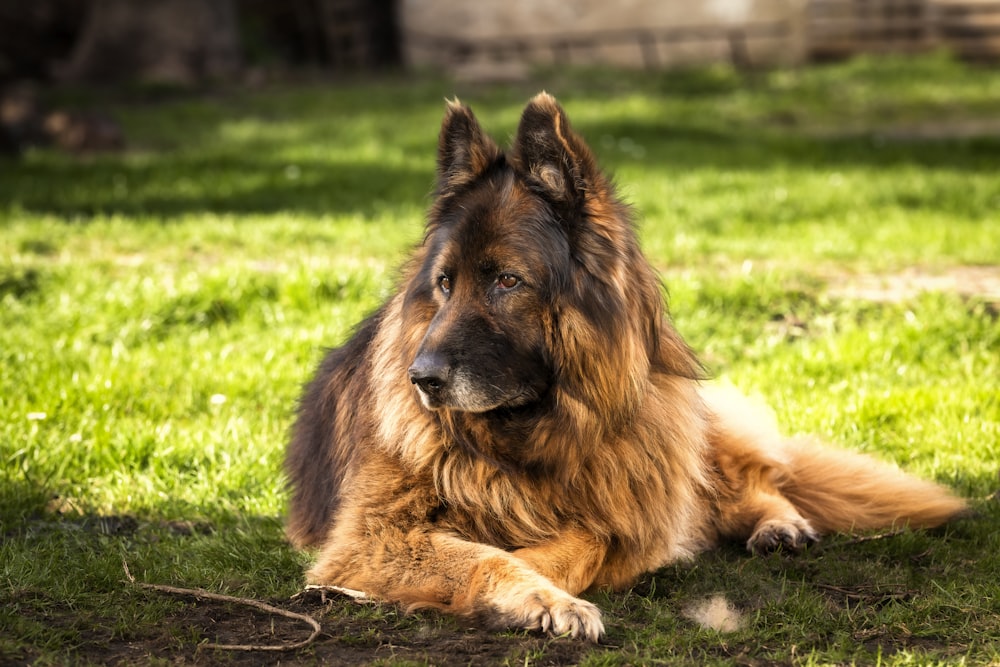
(325,437)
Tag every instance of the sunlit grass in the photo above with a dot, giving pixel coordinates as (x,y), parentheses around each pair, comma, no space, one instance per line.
(160,309)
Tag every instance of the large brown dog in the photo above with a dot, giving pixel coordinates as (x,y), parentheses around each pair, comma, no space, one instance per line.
(521,423)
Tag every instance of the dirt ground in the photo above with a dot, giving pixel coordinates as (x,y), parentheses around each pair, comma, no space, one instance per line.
(968,281)
(367,634)
(346,639)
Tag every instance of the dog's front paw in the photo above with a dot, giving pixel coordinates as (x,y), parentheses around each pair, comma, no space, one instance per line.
(577,618)
(555,612)
(775,534)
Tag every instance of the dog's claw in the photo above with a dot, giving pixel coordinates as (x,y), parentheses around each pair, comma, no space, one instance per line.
(775,535)
(557,613)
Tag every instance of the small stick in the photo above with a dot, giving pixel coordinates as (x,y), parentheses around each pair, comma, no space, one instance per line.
(869,538)
(207,595)
(860,595)
(358,596)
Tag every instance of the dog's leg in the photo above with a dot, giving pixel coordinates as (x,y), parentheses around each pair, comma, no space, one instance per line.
(571,561)
(504,591)
(391,543)
(749,463)
(422,568)
(776,524)
(750,507)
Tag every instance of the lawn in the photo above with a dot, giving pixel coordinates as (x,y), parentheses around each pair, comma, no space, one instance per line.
(829,238)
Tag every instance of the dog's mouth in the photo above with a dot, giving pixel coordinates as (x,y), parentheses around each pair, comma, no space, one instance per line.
(430,395)
(464,395)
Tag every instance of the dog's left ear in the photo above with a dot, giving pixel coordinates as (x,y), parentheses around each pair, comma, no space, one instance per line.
(464,150)
(555,159)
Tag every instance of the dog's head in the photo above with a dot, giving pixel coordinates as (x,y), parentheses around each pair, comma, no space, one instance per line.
(530,280)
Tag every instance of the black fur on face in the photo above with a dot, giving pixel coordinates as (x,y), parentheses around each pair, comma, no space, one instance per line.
(531,280)
(495,256)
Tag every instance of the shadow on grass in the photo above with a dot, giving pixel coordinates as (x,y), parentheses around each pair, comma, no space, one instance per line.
(766,143)
(175,185)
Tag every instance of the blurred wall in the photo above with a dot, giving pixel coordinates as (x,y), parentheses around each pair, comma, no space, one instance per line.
(598,31)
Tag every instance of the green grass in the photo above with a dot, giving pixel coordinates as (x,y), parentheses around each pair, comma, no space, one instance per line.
(160,309)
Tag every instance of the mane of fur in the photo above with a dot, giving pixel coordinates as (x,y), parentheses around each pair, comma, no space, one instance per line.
(599,450)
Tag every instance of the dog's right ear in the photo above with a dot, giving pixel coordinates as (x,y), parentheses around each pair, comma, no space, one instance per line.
(556,159)
(464,150)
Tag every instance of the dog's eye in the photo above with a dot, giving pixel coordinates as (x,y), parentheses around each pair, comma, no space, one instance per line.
(444,283)
(507,281)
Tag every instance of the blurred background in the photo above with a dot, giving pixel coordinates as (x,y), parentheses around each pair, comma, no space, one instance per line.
(184,42)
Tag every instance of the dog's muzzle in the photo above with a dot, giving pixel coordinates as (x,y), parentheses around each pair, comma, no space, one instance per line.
(431,374)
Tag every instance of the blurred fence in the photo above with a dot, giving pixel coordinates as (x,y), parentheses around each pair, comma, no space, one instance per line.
(652,45)
(842,28)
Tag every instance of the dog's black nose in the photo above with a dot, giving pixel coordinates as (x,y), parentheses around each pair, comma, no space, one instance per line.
(429,372)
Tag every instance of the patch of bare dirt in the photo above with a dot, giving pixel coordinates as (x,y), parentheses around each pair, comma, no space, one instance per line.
(946,129)
(349,637)
(969,281)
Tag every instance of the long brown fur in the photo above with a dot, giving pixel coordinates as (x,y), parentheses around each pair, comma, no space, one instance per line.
(520,422)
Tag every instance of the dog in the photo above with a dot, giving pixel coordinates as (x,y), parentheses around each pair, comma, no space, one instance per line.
(520,422)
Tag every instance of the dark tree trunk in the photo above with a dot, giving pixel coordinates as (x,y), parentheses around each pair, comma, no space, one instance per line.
(163,41)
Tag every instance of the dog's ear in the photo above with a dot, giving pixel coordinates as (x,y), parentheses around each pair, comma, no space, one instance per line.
(554,158)
(464,150)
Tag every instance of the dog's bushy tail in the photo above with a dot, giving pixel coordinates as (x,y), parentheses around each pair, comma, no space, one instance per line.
(842,491)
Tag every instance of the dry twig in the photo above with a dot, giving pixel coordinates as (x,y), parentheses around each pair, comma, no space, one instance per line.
(860,539)
(312,589)
(207,595)
(865,592)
